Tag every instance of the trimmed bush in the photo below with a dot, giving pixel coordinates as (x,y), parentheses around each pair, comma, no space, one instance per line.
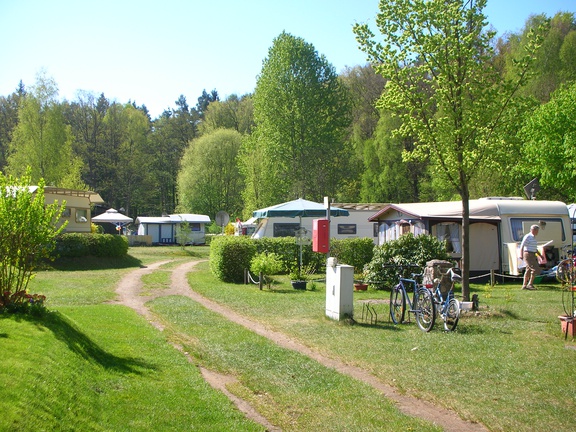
(382,272)
(76,245)
(108,245)
(229,256)
(72,245)
(356,252)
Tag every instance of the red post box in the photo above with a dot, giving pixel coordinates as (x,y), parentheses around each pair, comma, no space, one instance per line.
(321,235)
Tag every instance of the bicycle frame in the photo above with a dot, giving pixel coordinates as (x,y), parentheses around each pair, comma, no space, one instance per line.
(422,304)
(448,307)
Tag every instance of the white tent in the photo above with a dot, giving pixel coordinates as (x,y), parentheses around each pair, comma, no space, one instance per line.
(113,216)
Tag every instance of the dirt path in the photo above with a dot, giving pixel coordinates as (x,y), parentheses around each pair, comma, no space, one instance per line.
(129,294)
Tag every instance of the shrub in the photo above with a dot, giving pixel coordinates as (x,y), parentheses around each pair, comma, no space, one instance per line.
(381,271)
(285,248)
(72,245)
(229,256)
(356,252)
(28,234)
(268,264)
(289,252)
(77,245)
(108,245)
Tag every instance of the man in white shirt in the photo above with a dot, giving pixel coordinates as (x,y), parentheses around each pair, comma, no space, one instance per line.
(529,253)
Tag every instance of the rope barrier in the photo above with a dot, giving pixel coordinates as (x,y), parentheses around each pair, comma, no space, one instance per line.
(251,279)
(254,281)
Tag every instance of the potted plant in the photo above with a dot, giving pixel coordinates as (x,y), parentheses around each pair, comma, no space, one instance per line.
(360,284)
(299,276)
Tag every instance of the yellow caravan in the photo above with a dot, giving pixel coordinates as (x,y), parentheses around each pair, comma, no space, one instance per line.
(78,206)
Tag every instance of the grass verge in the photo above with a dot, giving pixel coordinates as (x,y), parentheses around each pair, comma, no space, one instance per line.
(506,366)
(98,366)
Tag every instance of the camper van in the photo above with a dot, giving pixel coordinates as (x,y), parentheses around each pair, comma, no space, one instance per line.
(355,225)
(497,226)
(166,229)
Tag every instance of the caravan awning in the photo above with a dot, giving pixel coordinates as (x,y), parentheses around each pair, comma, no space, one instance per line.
(480,209)
(298,208)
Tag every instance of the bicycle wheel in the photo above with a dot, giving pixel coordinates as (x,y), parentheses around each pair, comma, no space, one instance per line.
(425,309)
(452,315)
(565,271)
(397,304)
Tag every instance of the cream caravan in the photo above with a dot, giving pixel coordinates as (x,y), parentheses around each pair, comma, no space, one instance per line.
(497,226)
(355,225)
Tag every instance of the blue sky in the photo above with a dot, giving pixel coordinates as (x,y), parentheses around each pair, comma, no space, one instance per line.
(152,51)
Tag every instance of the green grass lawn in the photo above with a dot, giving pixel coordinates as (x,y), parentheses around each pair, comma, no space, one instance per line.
(91,365)
(508,367)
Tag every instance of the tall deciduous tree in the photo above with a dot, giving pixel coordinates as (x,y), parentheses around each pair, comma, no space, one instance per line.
(364,87)
(235,113)
(8,120)
(42,140)
(550,143)
(209,180)
(301,112)
(445,88)
(173,132)
(386,176)
(124,160)
(555,63)
(86,116)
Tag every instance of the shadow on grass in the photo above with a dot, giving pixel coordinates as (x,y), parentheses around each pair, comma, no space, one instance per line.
(82,345)
(470,329)
(284,291)
(94,263)
(380,325)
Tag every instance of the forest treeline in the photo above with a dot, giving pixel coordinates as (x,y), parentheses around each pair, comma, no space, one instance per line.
(305,131)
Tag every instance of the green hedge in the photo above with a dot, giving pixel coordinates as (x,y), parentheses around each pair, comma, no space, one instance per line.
(356,252)
(230,255)
(76,245)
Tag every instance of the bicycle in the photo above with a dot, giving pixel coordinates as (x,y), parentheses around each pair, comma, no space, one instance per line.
(422,304)
(566,270)
(448,306)
(566,275)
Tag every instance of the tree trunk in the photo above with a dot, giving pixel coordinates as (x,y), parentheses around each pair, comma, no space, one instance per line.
(465,244)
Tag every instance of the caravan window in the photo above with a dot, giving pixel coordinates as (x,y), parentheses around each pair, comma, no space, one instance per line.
(450,234)
(81,215)
(346,228)
(552,227)
(285,229)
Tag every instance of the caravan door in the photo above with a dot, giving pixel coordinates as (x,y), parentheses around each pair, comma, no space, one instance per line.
(484,251)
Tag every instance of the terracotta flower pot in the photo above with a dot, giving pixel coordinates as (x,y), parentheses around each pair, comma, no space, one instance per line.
(360,286)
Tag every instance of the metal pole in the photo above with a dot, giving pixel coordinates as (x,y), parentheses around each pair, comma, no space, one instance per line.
(327,205)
